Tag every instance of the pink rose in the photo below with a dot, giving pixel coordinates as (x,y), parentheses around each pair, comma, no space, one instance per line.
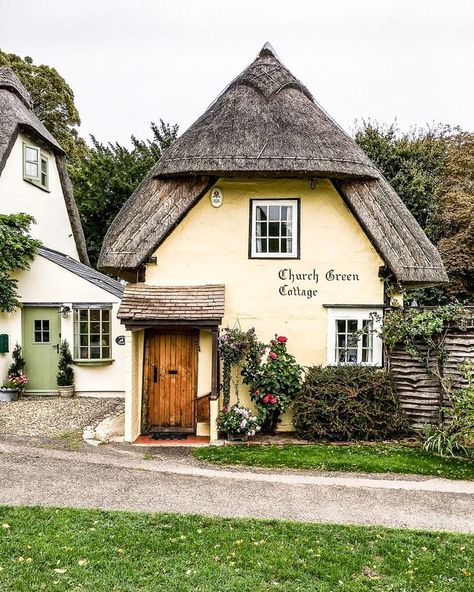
(282,339)
(272,356)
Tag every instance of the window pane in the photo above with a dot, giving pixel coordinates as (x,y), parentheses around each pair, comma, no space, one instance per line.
(95,314)
(105,339)
(262,228)
(341,326)
(284,212)
(95,327)
(84,340)
(31,154)
(284,246)
(285,229)
(341,340)
(83,315)
(37,325)
(84,353)
(37,337)
(46,336)
(95,339)
(46,325)
(273,245)
(340,355)
(44,165)
(274,229)
(261,212)
(84,328)
(95,353)
(105,327)
(352,326)
(352,356)
(106,315)
(106,352)
(31,169)
(261,245)
(43,179)
(274,212)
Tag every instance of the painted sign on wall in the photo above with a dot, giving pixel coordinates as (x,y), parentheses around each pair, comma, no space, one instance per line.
(303,284)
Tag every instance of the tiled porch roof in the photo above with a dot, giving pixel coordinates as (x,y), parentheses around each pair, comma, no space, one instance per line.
(142,302)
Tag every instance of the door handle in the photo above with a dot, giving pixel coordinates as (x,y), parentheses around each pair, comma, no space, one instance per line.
(155,374)
(57,347)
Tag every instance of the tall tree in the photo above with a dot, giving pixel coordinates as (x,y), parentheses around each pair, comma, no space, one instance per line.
(18,250)
(53,100)
(432,171)
(456,215)
(108,174)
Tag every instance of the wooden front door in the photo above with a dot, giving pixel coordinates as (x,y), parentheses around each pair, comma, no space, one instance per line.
(170,380)
(41,340)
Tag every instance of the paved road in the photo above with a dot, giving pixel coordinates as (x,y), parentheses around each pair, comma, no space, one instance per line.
(121,478)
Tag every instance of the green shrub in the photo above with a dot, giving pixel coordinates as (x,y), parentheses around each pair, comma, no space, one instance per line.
(348,403)
(65,376)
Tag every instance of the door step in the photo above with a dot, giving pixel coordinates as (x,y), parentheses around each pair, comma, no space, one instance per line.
(168,436)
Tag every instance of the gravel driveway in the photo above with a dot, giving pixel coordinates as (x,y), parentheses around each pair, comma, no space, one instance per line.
(53,416)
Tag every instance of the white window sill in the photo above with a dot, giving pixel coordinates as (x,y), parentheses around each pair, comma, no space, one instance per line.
(103,362)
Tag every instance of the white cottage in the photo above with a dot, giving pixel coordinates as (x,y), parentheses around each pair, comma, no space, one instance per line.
(62,296)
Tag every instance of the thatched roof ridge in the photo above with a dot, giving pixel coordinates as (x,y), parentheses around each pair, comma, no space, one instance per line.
(265,123)
(15,116)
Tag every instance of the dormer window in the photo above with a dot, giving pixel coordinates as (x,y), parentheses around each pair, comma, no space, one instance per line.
(35,166)
(274,228)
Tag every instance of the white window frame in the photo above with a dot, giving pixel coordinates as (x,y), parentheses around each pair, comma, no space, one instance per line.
(294,204)
(360,315)
(77,346)
(42,158)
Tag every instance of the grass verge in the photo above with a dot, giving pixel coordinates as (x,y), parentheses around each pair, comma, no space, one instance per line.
(330,457)
(85,550)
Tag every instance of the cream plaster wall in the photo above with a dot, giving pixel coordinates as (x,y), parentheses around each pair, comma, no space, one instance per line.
(47,207)
(47,282)
(210,246)
(133,385)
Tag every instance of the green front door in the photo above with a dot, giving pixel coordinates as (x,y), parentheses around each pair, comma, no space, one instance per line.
(41,339)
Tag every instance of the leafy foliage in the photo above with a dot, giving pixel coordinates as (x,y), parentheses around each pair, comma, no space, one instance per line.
(107,175)
(433,171)
(273,382)
(65,376)
(456,436)
(53,100)
(348,403)
(18,250)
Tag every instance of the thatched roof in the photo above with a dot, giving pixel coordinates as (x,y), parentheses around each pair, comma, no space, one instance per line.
(15,116)
(267,124)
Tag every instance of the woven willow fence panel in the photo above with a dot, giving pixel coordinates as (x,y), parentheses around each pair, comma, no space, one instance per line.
(420,395)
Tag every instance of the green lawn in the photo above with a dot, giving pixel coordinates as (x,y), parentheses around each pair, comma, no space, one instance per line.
(97,551)
(327,457)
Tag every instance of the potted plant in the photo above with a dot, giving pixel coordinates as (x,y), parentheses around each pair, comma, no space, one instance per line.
(9,391)
(238,422)
(65,376)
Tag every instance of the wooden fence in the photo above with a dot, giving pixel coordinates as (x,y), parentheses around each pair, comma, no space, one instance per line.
(421,395)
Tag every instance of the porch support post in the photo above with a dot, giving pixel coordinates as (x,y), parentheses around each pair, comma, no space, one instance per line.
(214,403)
(215,364)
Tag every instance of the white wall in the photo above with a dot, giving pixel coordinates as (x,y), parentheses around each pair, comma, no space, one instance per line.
(47,282)
(52,226)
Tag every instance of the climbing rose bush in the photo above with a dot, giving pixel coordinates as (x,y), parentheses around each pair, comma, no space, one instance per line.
(274,378)
(237,420)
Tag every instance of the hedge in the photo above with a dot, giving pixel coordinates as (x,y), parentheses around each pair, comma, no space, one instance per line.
(348,403)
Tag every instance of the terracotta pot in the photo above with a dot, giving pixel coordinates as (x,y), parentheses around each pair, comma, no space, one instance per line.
(9,394)
(66,391)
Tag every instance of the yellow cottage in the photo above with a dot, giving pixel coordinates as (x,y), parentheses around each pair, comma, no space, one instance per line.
(263,214)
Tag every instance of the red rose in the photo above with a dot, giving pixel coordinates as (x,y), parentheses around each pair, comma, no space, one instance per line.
(272,355)
(266,399)
(282,339)
(256,391)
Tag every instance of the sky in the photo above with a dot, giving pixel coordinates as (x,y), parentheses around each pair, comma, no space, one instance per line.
(131,62)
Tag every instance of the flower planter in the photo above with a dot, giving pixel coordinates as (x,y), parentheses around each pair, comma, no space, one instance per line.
(66,391)
(9,394)
(237,437)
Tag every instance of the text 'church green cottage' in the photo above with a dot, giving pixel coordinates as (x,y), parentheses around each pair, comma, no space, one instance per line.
(264,214)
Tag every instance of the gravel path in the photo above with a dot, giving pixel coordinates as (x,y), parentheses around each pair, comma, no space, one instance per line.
(125,479)
(53,416)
